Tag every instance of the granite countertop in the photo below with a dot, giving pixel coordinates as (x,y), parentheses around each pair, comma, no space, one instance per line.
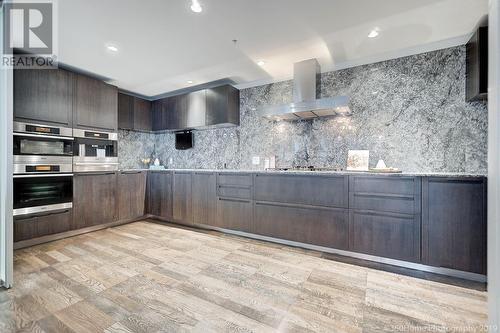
(296,172)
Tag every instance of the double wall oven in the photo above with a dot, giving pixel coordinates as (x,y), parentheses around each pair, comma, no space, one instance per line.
(43,168)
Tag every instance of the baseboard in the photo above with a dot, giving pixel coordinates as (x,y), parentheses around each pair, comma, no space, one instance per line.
(411,265)
(71,233)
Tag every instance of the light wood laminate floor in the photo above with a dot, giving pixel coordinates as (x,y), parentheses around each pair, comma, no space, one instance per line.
(148,277)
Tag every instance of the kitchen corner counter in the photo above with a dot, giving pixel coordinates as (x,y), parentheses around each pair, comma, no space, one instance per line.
(340,173)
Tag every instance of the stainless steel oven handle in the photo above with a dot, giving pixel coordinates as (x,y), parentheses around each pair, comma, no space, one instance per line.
(95,163)
(44,175)
(43,136)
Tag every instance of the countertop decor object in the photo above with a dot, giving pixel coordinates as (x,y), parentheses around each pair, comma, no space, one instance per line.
(157,167)
(357,160)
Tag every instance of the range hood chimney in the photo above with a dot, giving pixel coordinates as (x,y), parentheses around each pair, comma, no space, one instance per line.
(306,104)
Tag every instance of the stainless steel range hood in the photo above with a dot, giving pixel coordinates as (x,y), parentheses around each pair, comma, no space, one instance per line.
(306,89)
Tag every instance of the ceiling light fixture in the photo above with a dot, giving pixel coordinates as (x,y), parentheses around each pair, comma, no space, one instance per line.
(374,33)
(190,82)
(196,7)
(261,63)
(112,48)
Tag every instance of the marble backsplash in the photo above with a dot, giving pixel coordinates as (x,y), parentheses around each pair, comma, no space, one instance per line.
(410,111)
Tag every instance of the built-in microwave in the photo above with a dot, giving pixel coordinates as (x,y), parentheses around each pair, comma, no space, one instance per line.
(35,151)
(42,193)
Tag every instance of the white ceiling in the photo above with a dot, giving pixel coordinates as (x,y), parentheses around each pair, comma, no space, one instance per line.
(163,44)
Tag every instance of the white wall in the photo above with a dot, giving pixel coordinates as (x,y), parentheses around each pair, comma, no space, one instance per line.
(494,165)
(6,99)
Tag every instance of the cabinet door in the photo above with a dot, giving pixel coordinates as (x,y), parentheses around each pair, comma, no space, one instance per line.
(125,112)
(94,199)
(176,112)
(131,194)
(142,115)
(24,228)
(43,96)
(222,106)
(54,223)
(204,198)
(454,223)
(311,225)
(196,109)
(329,191)
(182,198)
(96,104)
(387,235)
(160,194)
(159,114)
(234,214)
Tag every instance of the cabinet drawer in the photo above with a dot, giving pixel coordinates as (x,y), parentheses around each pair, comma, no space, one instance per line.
(331,191)
(384,184)
(388,235)
(234,214)
(384,203)
(54,223)
(37,226)
(318,226)
(385,194)
(241,192)
(234,179)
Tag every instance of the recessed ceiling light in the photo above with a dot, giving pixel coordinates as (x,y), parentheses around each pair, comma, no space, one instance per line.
(261,63)
(196,7)
(374,33)
(112,48)
(190,82)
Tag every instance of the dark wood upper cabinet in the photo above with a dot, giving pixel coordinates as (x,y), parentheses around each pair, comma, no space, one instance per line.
(159,114)
(43,96)
(125,112)
(134,113)
(476,84)
(223,106)
(181,194)
(94,199)
(195,111)
(142,115)
(95,104)
(204,198)
(159,202)
(454,223)
(131,194)
(218,106)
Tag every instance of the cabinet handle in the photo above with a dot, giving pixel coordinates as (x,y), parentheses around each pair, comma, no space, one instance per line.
(234,200)
(94,174)
(130,172)
(45,214)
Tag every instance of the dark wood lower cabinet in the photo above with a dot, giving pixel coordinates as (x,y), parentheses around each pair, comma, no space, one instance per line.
(181,194)
(131,194)
(42,225)
(94,199)
(204,198)
(389,235)
(234,214)
(160,194)
(321,226)
(454,223)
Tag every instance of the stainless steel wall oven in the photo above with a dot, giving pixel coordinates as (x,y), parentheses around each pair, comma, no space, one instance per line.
(40,149)
(41,193)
